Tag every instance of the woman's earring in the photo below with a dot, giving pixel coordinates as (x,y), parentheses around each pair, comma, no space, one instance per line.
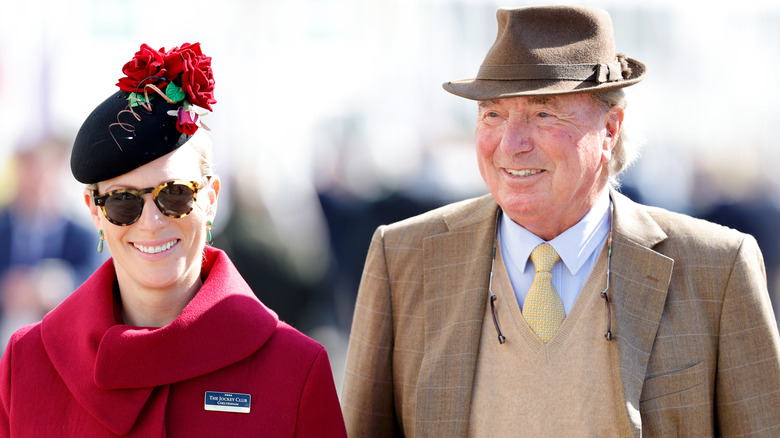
(100,242)
(208,231)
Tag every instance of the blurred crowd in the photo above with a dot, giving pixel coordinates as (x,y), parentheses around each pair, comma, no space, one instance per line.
(44,254)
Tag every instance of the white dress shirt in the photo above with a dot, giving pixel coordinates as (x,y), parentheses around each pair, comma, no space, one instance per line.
(579,247)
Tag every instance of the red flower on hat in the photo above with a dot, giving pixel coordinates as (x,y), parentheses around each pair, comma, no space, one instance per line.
(146,67)
(197,78)
(181,75)
(187,122)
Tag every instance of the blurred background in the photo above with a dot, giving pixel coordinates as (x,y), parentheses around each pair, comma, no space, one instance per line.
(331,120)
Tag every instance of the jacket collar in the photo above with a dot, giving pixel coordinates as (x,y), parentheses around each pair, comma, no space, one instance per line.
(639,282)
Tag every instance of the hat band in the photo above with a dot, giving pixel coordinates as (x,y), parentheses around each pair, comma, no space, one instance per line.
(564,72)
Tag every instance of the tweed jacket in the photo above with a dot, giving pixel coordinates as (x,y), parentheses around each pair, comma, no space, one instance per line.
(696,348)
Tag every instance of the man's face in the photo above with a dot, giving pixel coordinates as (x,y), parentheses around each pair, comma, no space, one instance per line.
(545,159)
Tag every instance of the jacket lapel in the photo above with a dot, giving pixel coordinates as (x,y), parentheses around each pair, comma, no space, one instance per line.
(639,280)
(456,274)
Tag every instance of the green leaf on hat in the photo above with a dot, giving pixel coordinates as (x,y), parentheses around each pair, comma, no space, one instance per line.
(137,99)
(174,92)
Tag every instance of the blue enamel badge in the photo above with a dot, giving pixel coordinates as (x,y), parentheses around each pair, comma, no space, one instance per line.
(227,402)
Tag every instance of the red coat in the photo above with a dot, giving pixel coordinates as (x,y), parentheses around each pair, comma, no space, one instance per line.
(80,373)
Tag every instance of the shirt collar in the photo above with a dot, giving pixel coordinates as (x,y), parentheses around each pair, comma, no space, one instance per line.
(574,245)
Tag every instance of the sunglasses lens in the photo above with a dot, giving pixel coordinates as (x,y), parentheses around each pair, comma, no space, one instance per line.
(124,207)
(176,200)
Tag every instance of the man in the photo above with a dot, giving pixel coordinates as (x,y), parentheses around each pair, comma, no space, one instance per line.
(644,322)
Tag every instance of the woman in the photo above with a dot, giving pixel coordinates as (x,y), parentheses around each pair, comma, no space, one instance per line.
(165,339)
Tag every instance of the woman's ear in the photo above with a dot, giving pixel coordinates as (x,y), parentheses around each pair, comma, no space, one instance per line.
(212,195)
(94,210)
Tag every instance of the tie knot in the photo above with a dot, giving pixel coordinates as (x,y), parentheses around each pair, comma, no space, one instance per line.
(544,257)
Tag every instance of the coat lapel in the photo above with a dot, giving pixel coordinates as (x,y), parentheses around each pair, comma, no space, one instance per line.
(639,281)
(457,270)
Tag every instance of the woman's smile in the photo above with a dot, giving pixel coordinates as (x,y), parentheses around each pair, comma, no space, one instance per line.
(156,249)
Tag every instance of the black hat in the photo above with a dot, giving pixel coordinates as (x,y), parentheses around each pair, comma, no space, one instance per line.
(153,114)
(113,140)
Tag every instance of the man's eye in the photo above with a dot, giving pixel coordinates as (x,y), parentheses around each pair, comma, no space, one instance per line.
(544,114)
(491,114)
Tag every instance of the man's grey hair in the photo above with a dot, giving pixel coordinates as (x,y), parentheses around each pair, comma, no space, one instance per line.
(626,151)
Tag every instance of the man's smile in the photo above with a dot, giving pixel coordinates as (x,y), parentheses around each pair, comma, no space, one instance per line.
(523,172)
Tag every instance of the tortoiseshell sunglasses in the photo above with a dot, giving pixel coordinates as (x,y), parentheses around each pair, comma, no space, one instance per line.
(124,206)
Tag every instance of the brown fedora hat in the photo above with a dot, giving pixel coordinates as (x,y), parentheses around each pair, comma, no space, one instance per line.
(547,50)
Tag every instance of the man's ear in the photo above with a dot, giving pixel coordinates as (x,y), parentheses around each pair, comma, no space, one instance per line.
(613,124)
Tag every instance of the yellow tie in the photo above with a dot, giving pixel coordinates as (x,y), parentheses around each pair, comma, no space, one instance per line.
(543,309)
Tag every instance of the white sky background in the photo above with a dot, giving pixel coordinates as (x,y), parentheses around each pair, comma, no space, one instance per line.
(315,91)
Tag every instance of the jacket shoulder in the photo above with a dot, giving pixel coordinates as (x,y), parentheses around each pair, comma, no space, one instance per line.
(26,336)
(289,335)
(679,225)
(651,226)
(295,351)
(25,351)
(461,214)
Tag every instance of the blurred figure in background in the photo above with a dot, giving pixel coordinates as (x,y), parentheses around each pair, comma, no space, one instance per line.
(43,253)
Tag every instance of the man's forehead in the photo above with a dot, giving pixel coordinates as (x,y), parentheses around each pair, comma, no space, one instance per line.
(559,102)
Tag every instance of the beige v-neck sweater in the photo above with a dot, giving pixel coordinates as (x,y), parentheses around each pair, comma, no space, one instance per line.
(568,387)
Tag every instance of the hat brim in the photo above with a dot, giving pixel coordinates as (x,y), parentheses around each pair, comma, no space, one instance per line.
(482,89)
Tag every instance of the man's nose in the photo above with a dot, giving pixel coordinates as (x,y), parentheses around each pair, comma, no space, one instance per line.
(517,136)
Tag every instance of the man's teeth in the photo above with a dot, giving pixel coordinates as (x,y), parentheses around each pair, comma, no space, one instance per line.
(155,249)
(524,172)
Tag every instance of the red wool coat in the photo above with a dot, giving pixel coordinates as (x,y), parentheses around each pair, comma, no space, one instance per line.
(79,373)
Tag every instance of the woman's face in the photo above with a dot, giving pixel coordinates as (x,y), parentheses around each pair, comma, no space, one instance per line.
(158,252)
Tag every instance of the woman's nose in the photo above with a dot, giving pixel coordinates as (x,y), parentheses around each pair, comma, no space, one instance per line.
(151,216)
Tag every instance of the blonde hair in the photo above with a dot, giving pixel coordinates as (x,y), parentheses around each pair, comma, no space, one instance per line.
(202,145)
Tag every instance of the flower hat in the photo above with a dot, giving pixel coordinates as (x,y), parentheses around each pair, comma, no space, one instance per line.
(159,106)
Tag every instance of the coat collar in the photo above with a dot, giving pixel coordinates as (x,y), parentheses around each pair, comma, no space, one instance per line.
(112,369)
(638,284)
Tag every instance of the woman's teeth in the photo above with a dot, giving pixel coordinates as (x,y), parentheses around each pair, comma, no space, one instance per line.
(155,249)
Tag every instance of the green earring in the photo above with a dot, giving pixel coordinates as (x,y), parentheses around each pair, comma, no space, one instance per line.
(100,242)
(208,231)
